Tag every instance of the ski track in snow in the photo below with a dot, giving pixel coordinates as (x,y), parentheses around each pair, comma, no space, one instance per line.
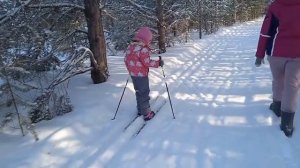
(125,136)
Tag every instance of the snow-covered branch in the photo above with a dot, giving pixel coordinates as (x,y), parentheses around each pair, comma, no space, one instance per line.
(140,7)
(72,67)
(57,5)
(10,14)
(152,17)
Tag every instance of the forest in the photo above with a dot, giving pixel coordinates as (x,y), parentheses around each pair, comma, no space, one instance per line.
(44,43)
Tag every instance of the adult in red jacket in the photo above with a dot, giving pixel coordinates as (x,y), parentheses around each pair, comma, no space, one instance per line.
(280,39)
(137,61)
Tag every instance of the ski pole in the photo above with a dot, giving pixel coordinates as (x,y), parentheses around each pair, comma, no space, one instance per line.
(163,72)
(120,99)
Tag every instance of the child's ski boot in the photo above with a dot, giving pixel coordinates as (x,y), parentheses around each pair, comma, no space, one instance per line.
(149,116)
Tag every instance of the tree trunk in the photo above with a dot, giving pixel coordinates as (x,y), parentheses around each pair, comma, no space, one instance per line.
(234,11)
(161,27)
(96,38)
(199,11)
(206,24)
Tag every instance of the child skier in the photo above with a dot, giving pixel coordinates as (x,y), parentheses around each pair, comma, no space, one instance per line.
(137,61)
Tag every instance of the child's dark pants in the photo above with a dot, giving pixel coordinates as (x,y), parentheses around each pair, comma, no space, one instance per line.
(141,86)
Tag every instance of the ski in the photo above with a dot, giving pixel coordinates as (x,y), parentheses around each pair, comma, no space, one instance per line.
(130,122)
(155,111)
(152,102)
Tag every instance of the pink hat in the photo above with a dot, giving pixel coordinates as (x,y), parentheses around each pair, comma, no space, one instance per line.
(144,34)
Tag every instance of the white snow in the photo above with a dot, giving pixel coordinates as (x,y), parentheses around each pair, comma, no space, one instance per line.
(1,82)
(220,101)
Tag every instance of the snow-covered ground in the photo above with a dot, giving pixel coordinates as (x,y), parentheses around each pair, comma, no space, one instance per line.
(220,100)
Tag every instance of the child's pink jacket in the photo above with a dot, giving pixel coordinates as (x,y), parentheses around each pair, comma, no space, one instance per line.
(137,59)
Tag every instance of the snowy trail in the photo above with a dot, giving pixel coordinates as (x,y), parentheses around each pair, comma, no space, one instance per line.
(220,100)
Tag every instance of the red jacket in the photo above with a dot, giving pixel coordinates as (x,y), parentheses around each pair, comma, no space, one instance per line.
(137,59)
(280,32)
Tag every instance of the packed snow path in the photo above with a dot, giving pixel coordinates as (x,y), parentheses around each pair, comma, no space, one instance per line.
(220,101)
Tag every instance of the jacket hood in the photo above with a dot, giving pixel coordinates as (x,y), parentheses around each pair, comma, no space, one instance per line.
(288,2)
(144,34)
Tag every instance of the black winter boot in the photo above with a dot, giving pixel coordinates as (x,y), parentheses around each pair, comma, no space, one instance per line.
(286,125)
(275,106)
